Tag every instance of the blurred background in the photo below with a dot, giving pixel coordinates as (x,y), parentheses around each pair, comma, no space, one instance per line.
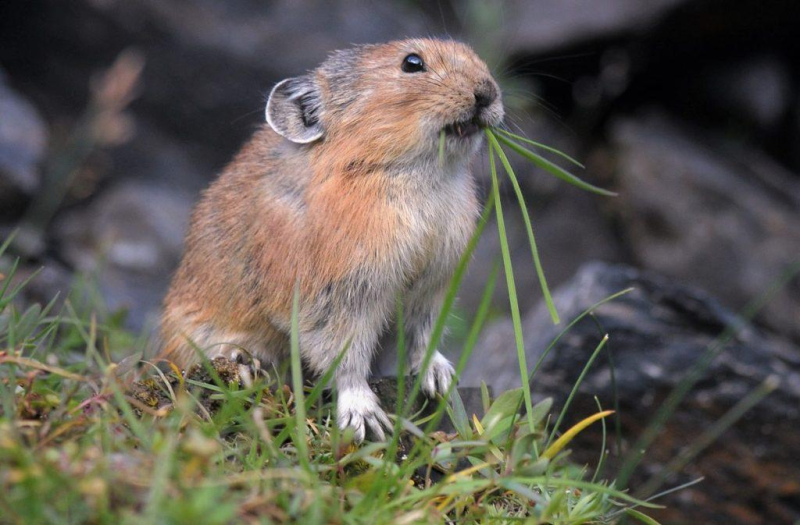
(115,114)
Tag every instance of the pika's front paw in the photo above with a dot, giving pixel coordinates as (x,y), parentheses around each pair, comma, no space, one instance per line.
(439,376)
(249,367)
(359,408)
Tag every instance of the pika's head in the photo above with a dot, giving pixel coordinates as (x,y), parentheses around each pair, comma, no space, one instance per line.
(390,102)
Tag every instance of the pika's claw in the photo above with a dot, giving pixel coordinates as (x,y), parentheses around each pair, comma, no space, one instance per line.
(438,376)
(359,409)
(249,367)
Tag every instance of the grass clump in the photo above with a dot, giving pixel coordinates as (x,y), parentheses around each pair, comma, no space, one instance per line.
(87,438)
(82,442)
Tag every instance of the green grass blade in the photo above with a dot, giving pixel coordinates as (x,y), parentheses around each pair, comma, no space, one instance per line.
(455,283)
(297,386)
(158,483)
(512,289)
(554,169)
(528,227)
(545,147)
(401,376)
(575,390)
(614,389)
(654,497)
(599,469)
(323,381)
(644,518)
(6,243)
(7,283)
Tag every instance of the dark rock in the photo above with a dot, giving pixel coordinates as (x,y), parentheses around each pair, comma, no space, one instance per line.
(757,90)
(708,211)
(657,333)
(751,95)
(209,65)
(545,26)
(130,238)
(46,281)
(129,233)
(23,139)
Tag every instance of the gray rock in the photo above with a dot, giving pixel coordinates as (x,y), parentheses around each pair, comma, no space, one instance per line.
(544,26)
(129,235)
(708,211)
(130,238)
(757,90)
(209,65)
(657,333)
(754,93)
(23,139)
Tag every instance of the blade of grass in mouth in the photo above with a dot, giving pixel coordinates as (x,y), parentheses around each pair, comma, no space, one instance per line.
(528,227)
(545,147)
(512,289)
(552,168)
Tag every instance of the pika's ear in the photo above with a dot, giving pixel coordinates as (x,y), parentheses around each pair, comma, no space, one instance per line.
(293,109)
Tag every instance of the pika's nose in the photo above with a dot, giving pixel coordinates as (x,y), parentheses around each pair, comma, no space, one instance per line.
(485,94)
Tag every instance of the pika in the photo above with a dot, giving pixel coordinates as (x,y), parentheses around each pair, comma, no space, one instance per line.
(345,196)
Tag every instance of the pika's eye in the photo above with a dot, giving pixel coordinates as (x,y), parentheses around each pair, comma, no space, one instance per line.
(413,64)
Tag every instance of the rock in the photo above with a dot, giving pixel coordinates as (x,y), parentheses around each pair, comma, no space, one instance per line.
(209,65)
(708,211)
(757,90)
(130,238)
(657,333)
(129,232)
(23,139)
(47,280)
(752,94)
(545,26)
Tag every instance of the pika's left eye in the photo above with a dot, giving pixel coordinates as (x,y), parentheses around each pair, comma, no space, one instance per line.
(413,64)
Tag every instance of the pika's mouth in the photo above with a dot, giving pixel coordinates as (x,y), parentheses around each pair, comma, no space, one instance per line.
(463,128)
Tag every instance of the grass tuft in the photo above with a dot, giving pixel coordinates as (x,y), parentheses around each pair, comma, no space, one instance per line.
(78,444)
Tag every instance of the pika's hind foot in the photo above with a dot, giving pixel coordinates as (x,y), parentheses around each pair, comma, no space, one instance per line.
(438,376)
(360,409)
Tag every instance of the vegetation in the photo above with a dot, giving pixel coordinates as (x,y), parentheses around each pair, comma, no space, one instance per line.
(81,444)
(81,441)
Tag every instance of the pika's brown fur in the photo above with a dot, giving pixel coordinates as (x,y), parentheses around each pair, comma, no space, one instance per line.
(345,196)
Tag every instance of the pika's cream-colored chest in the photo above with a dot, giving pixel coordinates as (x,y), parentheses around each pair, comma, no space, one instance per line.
(437,227)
